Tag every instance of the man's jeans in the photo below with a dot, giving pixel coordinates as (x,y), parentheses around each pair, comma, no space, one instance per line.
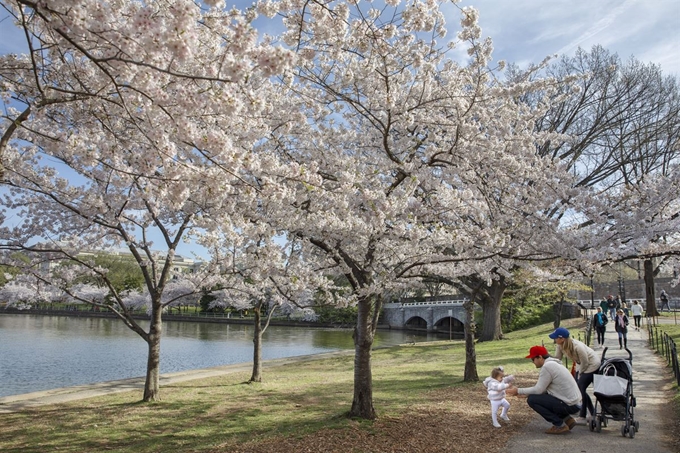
(552,409)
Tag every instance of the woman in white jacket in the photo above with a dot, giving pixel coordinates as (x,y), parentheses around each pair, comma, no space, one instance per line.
(586,362)
(496,384)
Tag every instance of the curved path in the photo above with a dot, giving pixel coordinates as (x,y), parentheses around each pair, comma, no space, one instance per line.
(651,386)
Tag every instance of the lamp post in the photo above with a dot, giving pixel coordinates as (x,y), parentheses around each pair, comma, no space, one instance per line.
(592,293)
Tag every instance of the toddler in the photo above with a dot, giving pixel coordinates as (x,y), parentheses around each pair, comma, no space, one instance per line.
(496,385)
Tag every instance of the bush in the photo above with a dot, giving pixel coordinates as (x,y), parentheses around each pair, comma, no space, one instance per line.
(517,317)
(339,316)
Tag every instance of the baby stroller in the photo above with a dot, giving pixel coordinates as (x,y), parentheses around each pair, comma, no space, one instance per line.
(613,389)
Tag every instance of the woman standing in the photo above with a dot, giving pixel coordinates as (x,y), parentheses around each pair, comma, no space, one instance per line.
(636,309)
(621,326)
(587,364)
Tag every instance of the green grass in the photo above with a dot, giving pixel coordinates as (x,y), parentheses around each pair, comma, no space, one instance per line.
(295,399)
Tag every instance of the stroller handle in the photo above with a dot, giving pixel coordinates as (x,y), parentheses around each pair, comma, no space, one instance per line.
(630,355)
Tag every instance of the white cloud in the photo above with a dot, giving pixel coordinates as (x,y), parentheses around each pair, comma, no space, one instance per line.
(529,30)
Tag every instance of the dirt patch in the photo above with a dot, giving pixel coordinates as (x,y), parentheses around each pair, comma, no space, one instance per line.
(456,419)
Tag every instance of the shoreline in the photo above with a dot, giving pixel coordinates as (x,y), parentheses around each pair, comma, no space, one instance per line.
(17,403)
(218,318)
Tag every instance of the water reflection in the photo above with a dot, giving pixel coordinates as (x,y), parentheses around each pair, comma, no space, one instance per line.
(46,352)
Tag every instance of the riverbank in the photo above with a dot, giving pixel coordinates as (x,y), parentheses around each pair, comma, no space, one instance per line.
(222,318)
(422,403)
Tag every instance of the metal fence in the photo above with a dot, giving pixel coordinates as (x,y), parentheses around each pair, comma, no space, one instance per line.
(665,346)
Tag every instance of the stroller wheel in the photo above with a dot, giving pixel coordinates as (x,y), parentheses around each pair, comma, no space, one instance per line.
(633,403)
(591,426)
(598,424)
(637,426)
(631,432)
(624,430)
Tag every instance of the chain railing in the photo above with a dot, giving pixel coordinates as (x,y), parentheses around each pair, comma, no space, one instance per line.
(666,347)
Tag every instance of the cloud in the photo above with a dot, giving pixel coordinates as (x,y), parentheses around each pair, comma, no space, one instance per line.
(598,28)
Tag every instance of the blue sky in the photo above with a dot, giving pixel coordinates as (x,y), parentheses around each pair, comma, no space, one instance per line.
(526,31)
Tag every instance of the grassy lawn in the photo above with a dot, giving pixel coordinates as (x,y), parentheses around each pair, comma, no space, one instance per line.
(295,400)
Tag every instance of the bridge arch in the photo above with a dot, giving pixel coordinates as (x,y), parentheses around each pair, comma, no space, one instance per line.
(416,322)
(451,325)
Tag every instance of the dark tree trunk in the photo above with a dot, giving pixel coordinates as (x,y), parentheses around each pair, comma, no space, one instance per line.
(558,313)
(491,308)
(153,339)
(470,373)
(257,345)
(362,404)
(650,297)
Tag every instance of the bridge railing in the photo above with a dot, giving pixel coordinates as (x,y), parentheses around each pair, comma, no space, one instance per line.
(433,302)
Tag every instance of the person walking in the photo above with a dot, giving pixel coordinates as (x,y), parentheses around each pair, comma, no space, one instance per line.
(604,306)
(621,327)
(586,362)
(611,306)
(600,322)
(636,309)
(555,396)
(496,384)
(664,300)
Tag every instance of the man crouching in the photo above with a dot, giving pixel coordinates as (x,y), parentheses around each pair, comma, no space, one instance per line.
(555,396)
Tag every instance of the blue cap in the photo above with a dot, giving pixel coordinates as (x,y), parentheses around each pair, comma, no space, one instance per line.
(560,332)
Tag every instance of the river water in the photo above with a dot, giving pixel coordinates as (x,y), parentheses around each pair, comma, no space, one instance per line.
(47,352)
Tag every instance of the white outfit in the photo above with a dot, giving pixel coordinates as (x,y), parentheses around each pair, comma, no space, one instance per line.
(496,394)
(636,309)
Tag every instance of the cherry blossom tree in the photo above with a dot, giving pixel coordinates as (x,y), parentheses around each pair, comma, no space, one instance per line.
(617,124)
(621,130)
(129,121)
(397,152)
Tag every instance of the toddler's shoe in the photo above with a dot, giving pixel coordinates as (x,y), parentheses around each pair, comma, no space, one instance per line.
(497,425)
(505,417)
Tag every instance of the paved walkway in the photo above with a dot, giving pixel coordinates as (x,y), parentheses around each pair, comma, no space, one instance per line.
(650,387)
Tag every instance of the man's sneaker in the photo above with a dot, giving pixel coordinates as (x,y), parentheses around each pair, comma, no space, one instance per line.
(580,421)
(505,417)
(558,430)
(570,422)
(497,425)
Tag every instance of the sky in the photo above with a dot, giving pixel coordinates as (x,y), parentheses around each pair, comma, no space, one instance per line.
(527,31)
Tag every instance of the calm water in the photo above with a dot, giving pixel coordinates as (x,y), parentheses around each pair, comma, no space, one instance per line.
(47,352)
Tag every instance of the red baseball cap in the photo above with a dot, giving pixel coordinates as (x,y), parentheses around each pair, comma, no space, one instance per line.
(536,351)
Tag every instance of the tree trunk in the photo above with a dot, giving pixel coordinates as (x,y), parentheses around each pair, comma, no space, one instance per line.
(650,297)
(491,306)
(470,373)
(152,384)
(362,404)
(557,308)
(257,345)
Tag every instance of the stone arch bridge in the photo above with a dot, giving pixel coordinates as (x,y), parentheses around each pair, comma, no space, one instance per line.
(443,316)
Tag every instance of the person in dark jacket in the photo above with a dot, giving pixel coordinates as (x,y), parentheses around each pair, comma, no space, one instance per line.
(621,326)
(600,323)
(664,300)
(611,306)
